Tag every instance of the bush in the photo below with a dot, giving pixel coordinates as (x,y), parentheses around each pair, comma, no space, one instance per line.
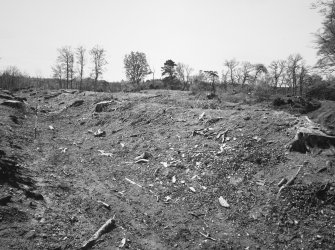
(173,84)
(152,84)
(322,91)
(278,101)
(200,87)
(263,92)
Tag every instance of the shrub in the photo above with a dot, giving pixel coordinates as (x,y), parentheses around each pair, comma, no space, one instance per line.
(322,90)
(263,92)
(278,101)
(200,87)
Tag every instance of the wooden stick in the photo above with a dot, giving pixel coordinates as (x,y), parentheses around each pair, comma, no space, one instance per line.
(290,181)
(207,236)
(133,182)
(105,228)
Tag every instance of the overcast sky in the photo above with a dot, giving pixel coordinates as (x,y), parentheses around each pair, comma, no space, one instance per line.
(201,33)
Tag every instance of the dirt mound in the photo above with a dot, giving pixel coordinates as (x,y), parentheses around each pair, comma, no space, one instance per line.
(325,115)
(162,170)
(296,104)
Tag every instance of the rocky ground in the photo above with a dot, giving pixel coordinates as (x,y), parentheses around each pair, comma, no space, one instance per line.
(173,171)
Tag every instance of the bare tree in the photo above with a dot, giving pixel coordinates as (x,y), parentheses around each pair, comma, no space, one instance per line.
(136,67)
(245,71)
(293,65)
(183,73)
(277,68)
(198,78)
(303,74)
(180,72)
(99,61)
(81,61)
(326,35)
(188,71)
(65,59)
(231,65)
(212,76)
(259,68)
(71,70)
(58,73)
(224,78)
(11,78)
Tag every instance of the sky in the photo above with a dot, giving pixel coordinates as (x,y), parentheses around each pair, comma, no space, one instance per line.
(200,33)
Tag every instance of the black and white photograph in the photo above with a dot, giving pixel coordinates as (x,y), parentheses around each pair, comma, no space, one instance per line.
(167,124)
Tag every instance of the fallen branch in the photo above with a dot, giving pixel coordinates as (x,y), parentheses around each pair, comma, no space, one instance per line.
(4,200)
(133,182)
(289,182)
(105,205)
(207,236)
(105,228)
(222,135)
(142,161)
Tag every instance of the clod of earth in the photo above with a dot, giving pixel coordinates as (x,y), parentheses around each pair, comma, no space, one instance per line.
(4,200)
(76,103)
(223,202)
(14,104)
(102,106)
(100,133)
(34,195)
(145,155)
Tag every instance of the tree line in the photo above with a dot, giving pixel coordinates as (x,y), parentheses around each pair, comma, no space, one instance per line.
(291,73)
(70,65)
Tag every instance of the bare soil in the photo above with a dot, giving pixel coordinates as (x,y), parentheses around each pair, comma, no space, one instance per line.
(58,186)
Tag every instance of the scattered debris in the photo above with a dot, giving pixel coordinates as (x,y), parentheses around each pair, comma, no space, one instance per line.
(14,104)
(223,202)
(290,181)
(207,132)
(222,135)
(105,205)
(123,243)
(105,228)
(282,182)
(167,198)
(142,161)
(201,117)
(52,95)
(33,195)
(257,138)
(133,182)
(100,133)
(101,106)
(4,200)
(222,147)
(260,182)
(145,156)
(214,120)
(103,153)
(165,164)
(76,103)
(63,149)
(322,169)
(207,236)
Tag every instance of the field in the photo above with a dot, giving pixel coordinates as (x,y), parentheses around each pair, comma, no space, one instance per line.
(173,170)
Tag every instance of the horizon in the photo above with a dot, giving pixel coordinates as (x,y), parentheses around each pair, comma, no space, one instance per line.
(198,33)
